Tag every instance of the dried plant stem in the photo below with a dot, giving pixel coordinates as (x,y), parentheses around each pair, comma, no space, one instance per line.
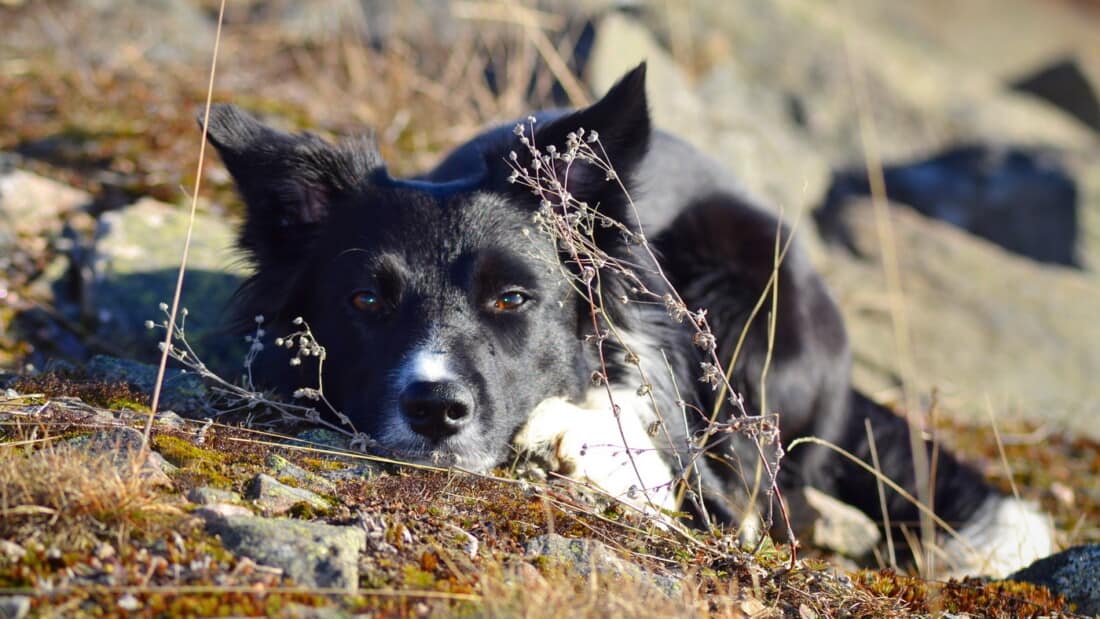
(159,384)
(1001,448)
(898,314)
(881,495)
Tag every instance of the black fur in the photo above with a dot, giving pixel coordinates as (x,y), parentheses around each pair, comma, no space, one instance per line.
(433,256)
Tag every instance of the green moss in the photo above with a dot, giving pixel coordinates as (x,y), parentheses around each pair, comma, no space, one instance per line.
(128,404)
(204,466)
(418,579)
(304,510)
(323,464)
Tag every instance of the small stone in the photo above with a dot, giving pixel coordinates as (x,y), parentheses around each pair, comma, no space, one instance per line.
(128,602)
(104,552)
(170,419)
(205,495)
(275,497)
(221,511)
(840,527)
(12,551)
(323,437)
(15,606)
(312,554)
(283,468)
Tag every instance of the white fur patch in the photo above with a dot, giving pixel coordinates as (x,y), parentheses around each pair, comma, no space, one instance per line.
(586,443)
(1006,535)
(424,365)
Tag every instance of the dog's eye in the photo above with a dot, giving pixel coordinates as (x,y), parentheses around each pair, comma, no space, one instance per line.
(510,300)
(366,301)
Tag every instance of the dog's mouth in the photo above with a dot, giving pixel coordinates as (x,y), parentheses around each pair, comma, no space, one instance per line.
(468,450)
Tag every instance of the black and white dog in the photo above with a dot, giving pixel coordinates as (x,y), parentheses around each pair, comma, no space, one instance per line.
(452,339)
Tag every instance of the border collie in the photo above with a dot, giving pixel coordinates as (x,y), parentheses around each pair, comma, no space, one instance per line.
(459,332)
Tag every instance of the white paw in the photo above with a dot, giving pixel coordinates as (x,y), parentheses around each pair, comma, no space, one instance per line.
(1007,534)
(586,443)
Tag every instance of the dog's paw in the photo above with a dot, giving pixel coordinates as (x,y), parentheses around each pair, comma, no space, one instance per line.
(1005,535)
(587,444)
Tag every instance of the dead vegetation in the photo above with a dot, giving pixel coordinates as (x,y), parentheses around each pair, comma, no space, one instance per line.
(78,497)
(94,534)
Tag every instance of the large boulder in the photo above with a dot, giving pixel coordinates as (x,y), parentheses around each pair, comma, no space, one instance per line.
(135,264)
(734,121)
(35,215)
(987,327)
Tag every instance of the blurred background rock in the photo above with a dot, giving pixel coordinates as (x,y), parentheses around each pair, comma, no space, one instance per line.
(984,114)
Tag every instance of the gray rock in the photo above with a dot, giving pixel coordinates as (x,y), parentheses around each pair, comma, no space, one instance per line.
(621,43)
(1072,573)
(314,555)
(356,470)
(33,213)
(840,527)
(585,555)
(1064,84)
(283,469)
(1085,169)
(221,511)
(33,206)
(275,497)
(170,419)
(987,326)
(303,611)
(15,606)
(182,391)
(744,127)
(998,38)
(161,31)
(918,95)
(121,445)
(11,551)
(135,266)
(205,495)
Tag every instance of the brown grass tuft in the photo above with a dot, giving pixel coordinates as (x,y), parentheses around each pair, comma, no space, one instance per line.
(77,497)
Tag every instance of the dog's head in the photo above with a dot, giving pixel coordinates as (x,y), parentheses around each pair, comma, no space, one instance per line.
(442,326)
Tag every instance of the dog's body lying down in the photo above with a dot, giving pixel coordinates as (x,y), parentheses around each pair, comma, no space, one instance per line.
(451,336)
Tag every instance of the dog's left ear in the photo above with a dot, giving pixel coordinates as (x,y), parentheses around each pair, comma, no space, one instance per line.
(621,121)
(288,181)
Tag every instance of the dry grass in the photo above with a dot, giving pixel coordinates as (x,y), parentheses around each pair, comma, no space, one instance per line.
(63,496)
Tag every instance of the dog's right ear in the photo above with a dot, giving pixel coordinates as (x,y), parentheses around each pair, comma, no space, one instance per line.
(288,182)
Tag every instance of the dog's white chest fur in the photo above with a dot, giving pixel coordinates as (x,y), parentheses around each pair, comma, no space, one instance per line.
(589,443)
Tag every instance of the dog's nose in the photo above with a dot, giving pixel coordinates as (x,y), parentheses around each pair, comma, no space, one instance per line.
(437,409)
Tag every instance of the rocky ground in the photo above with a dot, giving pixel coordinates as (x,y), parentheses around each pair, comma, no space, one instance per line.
(985,119)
